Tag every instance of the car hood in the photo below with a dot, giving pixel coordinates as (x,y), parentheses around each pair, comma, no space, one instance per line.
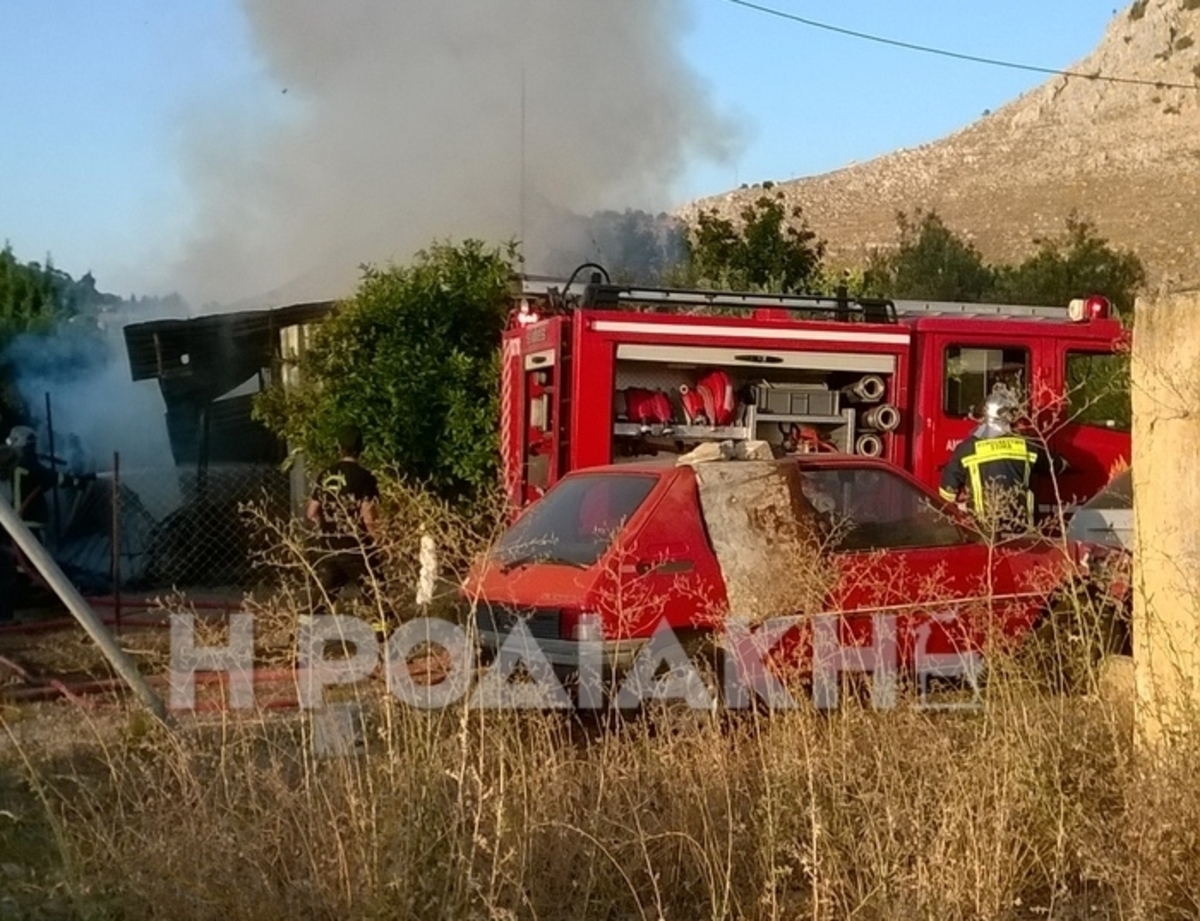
(1108,527)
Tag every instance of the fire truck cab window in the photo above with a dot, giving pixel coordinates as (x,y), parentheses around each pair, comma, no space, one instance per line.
(1098,390)
(971,373)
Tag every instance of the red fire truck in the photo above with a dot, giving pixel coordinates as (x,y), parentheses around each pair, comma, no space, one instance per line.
(595,373)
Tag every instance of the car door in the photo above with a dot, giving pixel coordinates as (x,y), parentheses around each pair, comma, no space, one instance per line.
(904,564)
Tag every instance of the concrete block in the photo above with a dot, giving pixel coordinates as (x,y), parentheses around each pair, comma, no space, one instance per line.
(753,450)
(707,452)
(765,537)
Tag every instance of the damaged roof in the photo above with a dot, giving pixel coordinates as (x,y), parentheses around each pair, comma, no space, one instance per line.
(212,354)
(198,361)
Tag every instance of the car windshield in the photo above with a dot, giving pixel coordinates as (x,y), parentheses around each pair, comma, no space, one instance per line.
(870,508)
(574,523)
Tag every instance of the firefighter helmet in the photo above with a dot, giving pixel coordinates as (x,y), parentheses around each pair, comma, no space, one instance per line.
(1000,406)
(998,411)
(21,438)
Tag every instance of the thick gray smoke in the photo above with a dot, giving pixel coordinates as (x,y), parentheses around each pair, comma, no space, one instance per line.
(423,119)
(95,408)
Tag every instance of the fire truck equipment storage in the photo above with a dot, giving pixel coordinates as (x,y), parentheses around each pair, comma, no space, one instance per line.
(596,373)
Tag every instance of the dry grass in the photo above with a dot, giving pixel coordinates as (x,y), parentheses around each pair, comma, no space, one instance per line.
(1034,805)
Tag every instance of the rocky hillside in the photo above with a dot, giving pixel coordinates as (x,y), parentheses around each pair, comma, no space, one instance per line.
(1124,156)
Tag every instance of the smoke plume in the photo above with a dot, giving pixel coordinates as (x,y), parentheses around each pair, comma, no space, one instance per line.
(82,402)
(410,120)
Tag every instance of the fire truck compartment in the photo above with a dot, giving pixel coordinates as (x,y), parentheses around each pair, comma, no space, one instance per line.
(777,392)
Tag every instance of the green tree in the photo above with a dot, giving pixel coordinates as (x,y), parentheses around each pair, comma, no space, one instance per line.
(28,297)
(1077,263)
(412,359)
(771,247)
(931,262)
(29,303)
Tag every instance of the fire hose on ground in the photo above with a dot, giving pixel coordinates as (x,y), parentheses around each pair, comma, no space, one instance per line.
(129,675)
(40,558)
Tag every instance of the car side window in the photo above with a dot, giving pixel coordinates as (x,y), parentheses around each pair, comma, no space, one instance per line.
(970,373)
(873,509)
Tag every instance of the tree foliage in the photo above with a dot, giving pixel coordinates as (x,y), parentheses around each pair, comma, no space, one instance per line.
(771,247)
(931,262)
(412,360)
(1077,263)
(35,297)
(29,300)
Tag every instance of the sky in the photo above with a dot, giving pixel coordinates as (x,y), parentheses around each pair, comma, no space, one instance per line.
(173,146)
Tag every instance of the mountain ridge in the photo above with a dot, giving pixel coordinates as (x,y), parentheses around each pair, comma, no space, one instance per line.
(1123,155)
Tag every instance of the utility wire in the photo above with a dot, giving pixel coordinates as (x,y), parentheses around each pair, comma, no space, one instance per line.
(791,17)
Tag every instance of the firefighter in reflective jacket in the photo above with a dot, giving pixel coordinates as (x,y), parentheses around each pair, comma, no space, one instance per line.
(32,480)
(994,465)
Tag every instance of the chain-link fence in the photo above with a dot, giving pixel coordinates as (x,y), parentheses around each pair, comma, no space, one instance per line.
(162,528)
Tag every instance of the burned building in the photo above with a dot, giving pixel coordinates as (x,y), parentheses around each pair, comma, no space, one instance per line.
(209,368)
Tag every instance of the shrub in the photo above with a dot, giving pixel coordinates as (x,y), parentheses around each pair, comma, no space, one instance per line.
(412,360)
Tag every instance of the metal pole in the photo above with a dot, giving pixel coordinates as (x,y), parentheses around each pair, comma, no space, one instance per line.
(40,558)
(116,538)
(53,469)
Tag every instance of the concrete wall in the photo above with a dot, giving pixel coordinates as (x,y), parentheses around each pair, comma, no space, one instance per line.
(1166,485)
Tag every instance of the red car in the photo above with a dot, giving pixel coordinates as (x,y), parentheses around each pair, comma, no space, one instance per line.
(759,554)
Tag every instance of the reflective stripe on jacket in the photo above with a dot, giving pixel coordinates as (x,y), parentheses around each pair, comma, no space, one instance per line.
(980,464)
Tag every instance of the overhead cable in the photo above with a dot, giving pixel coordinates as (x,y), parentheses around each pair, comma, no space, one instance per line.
(975,59)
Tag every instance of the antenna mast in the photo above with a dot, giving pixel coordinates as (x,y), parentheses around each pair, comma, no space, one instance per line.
(522,183)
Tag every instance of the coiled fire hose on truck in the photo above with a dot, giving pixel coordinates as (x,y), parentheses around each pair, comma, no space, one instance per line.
(882,418)
(869,445)
(868,389)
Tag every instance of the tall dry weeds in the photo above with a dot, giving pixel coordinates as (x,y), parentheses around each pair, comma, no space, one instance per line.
(1034,805)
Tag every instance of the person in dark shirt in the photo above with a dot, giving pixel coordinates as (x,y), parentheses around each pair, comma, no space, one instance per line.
(343,508)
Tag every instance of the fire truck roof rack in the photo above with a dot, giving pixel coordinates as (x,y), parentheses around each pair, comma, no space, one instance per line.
(954,308)
(599,293)
(870,310)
